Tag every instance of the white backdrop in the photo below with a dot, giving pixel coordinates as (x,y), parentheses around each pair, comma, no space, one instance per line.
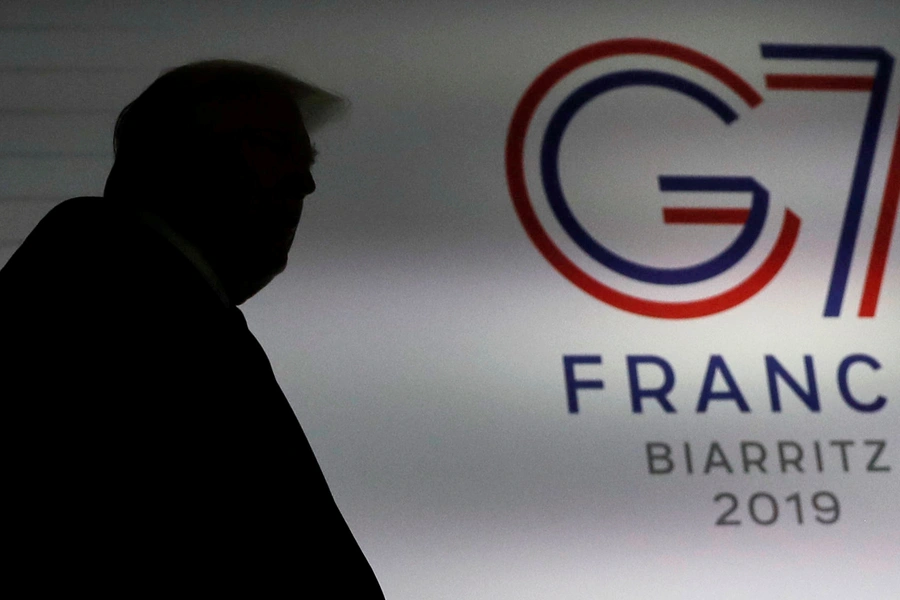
(420,335)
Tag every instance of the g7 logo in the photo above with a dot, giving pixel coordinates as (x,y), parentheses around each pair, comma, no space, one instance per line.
(750,219)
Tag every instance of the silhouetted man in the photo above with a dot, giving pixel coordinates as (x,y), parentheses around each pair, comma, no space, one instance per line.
(152,447)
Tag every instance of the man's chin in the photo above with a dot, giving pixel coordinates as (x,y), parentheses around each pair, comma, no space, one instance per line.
(279,265)
(258,272)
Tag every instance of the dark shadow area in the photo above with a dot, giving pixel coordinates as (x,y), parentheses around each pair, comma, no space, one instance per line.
(152,447)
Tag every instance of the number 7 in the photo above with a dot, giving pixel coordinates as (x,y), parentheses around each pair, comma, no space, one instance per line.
(878,85)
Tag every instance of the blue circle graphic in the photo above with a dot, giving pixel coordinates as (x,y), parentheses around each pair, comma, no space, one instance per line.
(667,276)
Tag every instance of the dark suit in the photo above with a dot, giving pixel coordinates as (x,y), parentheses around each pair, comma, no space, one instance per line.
(152,442)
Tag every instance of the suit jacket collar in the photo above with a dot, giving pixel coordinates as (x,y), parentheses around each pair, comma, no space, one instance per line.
(189,250)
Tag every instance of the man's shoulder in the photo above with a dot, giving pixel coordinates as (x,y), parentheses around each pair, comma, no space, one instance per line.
(71,228)
(82,215)
(94,288)
(83,207)
(95,253)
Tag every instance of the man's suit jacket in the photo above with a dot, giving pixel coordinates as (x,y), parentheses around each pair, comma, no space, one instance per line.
(152,443)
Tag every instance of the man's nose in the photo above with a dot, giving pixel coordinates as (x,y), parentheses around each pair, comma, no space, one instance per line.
(297,185)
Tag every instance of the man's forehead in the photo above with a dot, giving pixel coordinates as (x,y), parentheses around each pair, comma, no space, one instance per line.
(261,112)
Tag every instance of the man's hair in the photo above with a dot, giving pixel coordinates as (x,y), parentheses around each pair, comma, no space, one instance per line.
(158,135)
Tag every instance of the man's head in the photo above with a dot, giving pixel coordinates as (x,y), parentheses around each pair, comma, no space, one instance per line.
(220,150)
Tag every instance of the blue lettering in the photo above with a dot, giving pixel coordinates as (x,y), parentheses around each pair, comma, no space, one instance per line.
(659,394)
(572,384)
(844,386)
(774,370)
(717,365)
